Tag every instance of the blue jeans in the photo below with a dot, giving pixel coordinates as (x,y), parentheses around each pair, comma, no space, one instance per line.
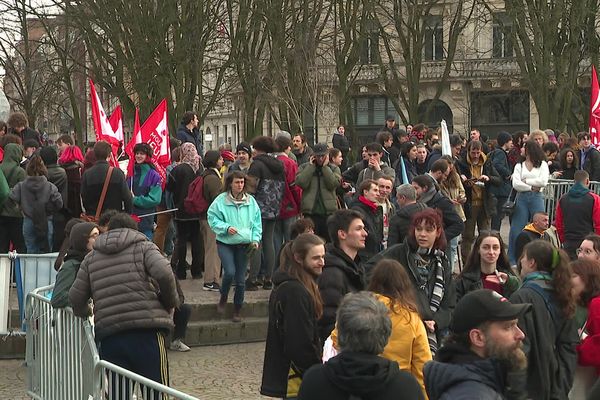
(32,239)
(281,235)
(526,204)
(234,262)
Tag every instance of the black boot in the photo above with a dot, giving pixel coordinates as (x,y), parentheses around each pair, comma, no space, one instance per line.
(237,315)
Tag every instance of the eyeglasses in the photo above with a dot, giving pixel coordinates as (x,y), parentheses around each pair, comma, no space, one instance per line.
(587,252)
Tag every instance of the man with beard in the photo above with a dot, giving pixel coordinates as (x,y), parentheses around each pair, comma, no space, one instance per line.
(483,354)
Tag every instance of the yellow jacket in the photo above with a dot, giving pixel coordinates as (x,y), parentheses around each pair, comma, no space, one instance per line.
(408,344)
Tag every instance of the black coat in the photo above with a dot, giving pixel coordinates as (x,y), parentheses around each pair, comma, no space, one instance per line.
(549,345)
(292,335)
(178,183)
(469,281)
(118,196)
(341,275)
(489,200)
(402,254)
(459,373)
(500,162)
(592,164)
(373,221)
(193,137)
(453,223)
(351,174)
(366,376)
(400,222)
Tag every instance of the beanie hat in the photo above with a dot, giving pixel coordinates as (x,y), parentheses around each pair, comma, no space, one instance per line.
(80,234)
(210,158)
(227,155)
(503,138)
(244,147)
(48,155)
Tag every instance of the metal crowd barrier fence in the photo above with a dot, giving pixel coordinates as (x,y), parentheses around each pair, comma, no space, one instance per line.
(63,361)
(557,188)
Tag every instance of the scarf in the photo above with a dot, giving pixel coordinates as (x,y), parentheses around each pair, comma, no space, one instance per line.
(439,288)
(372,206)
(538,276)
(190,156)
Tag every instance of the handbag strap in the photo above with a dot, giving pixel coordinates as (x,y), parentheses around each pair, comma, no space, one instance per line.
(104,190)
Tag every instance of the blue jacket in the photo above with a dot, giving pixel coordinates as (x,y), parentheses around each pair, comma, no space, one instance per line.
(224,213)
(193,136)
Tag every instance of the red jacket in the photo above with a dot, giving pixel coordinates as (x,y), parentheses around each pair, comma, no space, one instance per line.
(292,195)
(589,350)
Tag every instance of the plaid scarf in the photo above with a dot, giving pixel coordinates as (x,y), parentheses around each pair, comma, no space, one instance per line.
(435,260)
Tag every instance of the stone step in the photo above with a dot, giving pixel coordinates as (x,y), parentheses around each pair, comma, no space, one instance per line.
(213,332)
(206,312)
(12,346)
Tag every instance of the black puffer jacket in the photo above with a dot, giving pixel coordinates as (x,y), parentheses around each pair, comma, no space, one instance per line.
(373,220)
(270,180)
(292,337)
(130,281)
(178,183)
(459,373)
(341,275)
(366,376)
(400,222)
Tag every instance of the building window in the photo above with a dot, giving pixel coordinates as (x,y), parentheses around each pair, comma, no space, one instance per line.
(502,41)
(370,45)
(493,112)
(434,38)
(372,111)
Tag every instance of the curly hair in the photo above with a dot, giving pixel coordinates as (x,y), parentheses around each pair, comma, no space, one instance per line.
(430,217)
(556,262)
(562,158)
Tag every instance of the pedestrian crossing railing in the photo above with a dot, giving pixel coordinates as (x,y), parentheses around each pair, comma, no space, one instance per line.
(63,362)
(555,189)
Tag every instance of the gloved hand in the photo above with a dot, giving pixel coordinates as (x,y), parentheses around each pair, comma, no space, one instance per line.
(251,250)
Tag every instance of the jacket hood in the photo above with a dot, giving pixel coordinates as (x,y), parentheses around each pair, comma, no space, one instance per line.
(13,152)
(578,190)
(273,164)
(410,209)
(531,228)
(336,258)
(36,184)
(117,240)
(280,276)
(455,364)
(360,373)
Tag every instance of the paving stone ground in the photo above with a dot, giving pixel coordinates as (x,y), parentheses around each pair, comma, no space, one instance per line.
(209,373)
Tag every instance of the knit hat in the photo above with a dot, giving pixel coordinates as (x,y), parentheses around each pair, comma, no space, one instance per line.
(244,147)
(227,155)
(80,234)
(320,149)
(503,138)
(49,155)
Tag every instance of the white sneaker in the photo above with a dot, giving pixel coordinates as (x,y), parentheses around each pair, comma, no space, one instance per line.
(178,345)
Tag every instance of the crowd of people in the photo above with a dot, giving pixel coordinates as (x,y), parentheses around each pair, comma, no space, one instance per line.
(376,267)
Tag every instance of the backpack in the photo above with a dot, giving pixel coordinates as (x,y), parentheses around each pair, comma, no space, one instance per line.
(195,202)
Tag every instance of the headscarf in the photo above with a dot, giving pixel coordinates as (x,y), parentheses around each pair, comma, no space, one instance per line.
(189,155)
(70,154)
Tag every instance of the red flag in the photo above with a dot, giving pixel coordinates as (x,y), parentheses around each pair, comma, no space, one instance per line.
(102,126)
(116,123)
(135,139)
(595,110)
(155,132)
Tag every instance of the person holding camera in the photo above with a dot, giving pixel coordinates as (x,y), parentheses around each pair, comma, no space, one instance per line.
(319,180)
(478,175)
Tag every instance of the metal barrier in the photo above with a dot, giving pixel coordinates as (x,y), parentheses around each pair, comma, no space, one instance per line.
(555,189)
(63,362)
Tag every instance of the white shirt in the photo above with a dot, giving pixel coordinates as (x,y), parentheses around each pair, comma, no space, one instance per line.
(523,179)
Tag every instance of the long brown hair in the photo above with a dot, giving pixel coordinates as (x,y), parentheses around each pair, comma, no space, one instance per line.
(300,247)
(555,261)
(589,272)
(473,262)
(389,278)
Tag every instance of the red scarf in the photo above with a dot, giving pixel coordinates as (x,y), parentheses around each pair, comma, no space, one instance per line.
(368,203)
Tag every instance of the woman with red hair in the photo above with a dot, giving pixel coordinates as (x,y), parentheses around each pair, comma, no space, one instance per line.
(422,254)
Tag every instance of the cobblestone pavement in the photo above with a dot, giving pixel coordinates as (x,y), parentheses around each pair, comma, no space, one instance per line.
(209,373)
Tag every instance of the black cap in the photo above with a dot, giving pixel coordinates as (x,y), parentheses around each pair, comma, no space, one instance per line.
(390,118)
(244,147)
(320,149)
(481,306)
(503,138)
